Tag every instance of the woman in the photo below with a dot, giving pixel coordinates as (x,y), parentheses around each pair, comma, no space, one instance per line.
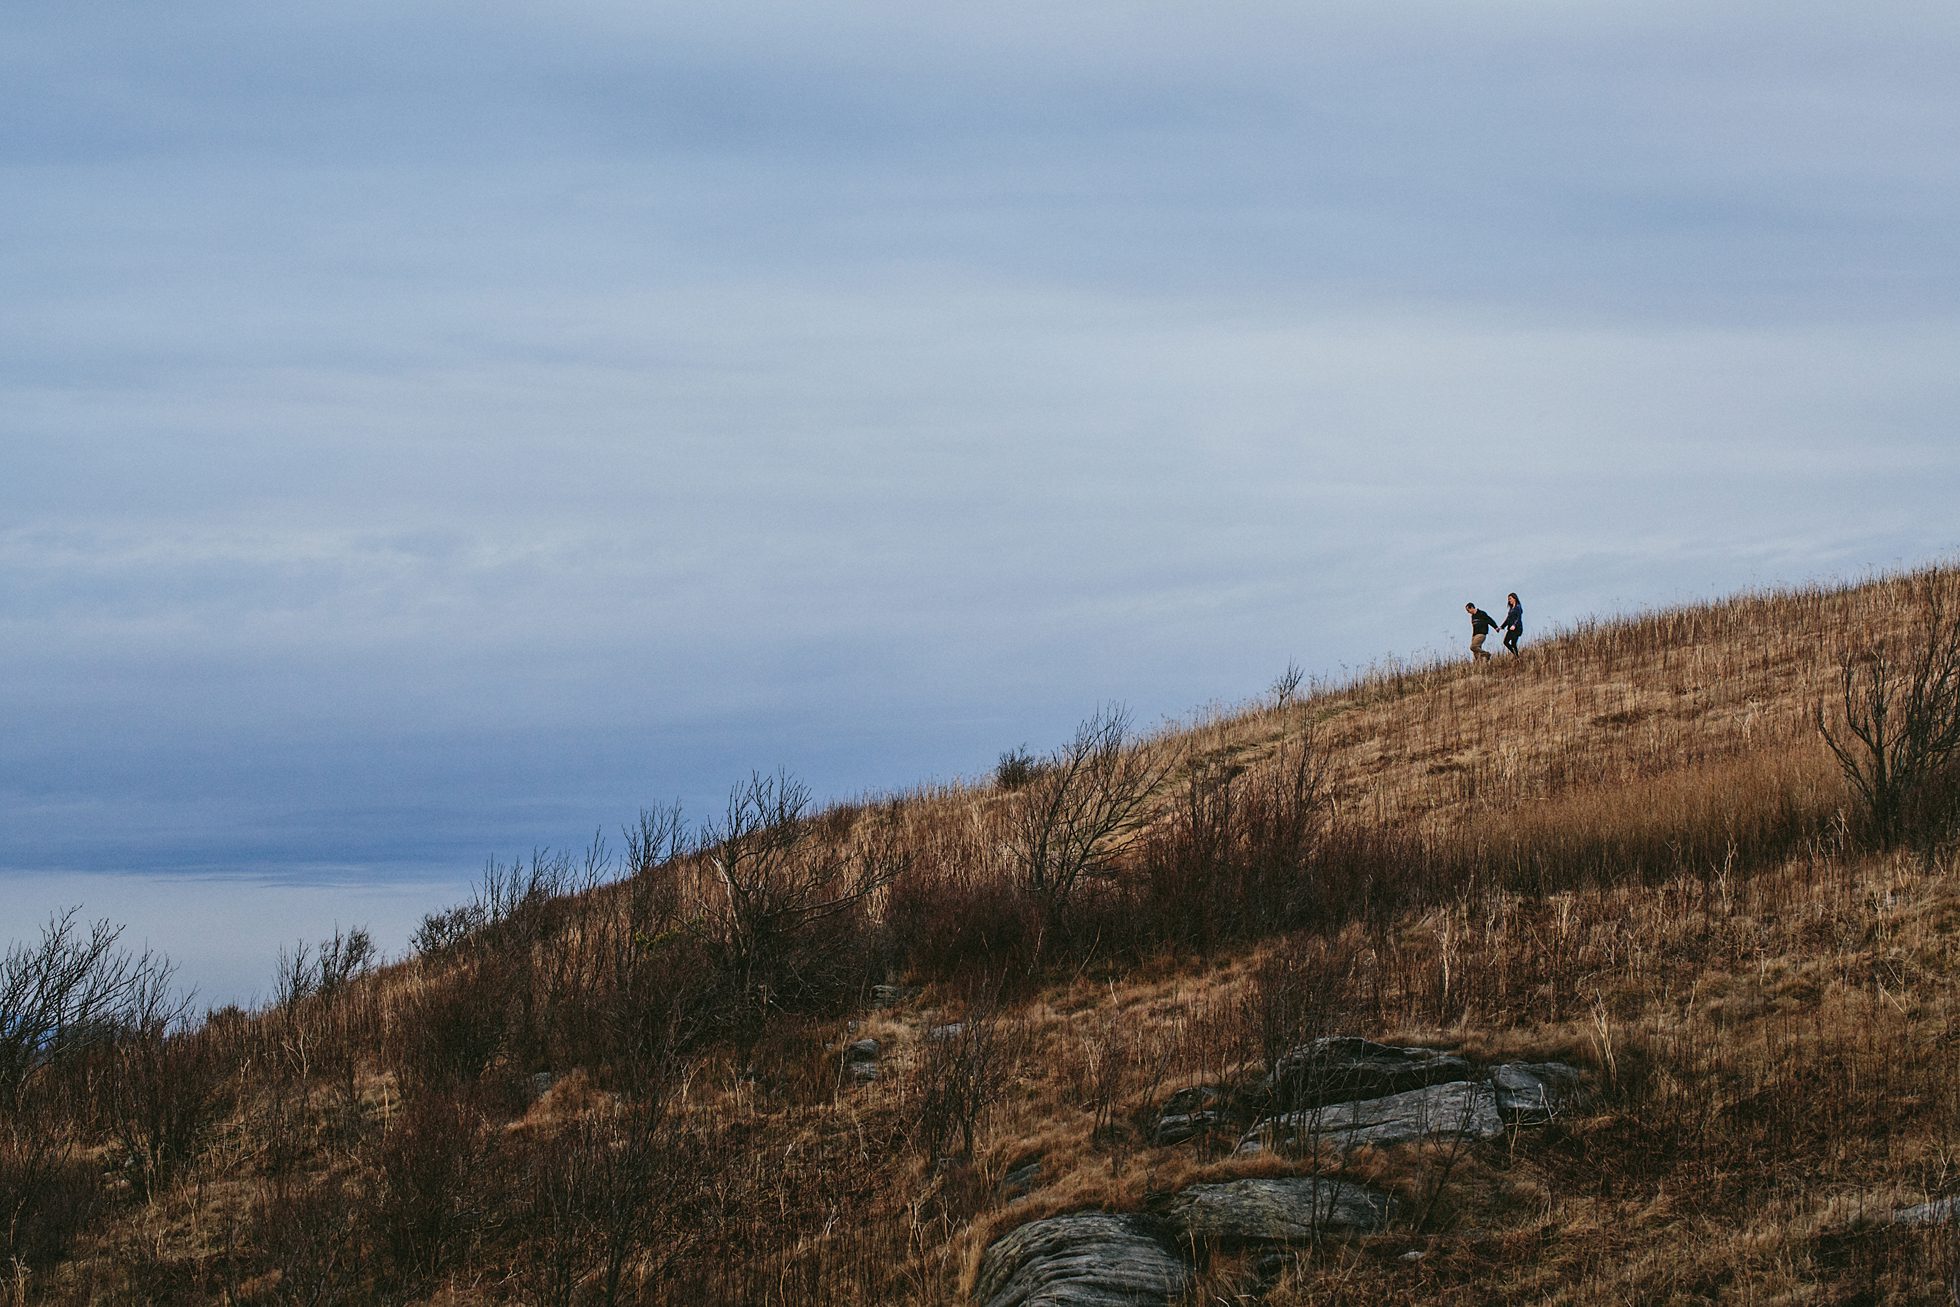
(1513,622)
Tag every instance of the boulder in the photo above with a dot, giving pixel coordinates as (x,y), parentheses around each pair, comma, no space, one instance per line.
(1532,1093)
(1021,1180)
(1178,1127)
(861,1060)
(1189,1112)
(1939,1212)
(1283,1210)
(1083,1259)
(1345,1068)
(951,1030)
(892,995)
(1461,1109)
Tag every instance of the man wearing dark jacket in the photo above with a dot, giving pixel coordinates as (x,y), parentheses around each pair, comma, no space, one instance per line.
(1480,624)
(1513,622)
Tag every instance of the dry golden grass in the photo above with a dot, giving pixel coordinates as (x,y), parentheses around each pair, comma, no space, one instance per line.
(1626,849)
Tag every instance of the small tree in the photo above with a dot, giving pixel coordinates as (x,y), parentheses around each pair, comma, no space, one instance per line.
(1897,724)
(1088,795)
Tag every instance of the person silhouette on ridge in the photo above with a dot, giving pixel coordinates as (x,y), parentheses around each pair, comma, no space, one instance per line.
(1513,626)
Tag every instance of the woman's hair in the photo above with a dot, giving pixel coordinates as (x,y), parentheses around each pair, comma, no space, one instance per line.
(1513,596)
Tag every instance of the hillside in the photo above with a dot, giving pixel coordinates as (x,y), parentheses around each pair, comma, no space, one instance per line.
(1677,1014)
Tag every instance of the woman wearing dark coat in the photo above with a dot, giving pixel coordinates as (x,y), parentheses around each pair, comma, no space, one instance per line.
(1513,626)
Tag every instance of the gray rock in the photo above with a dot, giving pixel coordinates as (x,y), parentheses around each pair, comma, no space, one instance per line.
(537,1085)
(1018,1182)
(1941,1211)
(951,1030)
(1084,1259)
(1461,1109)
(861,1060)
(1284,1210)
(1344,1069)
(1532,1093)
(1181,1126)
(892,995)
(1193,1098)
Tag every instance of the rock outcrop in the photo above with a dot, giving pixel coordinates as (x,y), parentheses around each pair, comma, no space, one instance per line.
(1339,1092)
(1461,1109)
(861,1060)
(1532,1093)
(1281,1210)
(1084,1259)
(1343,1068)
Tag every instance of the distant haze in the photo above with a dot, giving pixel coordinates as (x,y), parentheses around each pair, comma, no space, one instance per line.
(429,432)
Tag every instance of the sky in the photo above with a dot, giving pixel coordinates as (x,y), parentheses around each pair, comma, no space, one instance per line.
(428,433)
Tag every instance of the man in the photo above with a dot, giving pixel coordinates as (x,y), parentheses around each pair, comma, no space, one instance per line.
(1480,624)
(1513,622)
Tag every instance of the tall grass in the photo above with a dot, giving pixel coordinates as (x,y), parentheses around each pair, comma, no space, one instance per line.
(1628,849)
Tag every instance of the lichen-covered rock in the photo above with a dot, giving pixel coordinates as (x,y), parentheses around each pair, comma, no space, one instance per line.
(1345,1068)
(1281,1210)
(892,995)
(1532,1093)
(1084,1259)
(1461,1109)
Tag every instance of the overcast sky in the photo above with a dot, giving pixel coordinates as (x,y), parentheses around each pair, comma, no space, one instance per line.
(427,432)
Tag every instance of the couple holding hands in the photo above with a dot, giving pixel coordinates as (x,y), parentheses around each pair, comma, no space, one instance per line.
(1481,622)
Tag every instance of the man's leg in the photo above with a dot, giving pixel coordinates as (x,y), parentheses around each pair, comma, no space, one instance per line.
(1477,653)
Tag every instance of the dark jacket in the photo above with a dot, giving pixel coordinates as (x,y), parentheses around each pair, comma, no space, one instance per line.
(1481,622)
(1514,619)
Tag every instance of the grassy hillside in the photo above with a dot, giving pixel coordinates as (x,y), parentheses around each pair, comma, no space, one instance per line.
(639,1075)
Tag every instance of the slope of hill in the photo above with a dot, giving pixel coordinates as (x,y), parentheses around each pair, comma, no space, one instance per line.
(835,1056)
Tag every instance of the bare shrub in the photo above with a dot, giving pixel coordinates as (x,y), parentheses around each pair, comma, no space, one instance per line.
(325,971)
(49,1193)
(1286,686)
(512,904)
(426,1178)
(630,983)
(1091,793)
(450,1027)
(790,885)
(162,1085)
(1896,724)
(301,1233)
(952,913)
(1016,768)
(61,996)
(1235,855)
(611,1187)
(1300,991)
(963,1070)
